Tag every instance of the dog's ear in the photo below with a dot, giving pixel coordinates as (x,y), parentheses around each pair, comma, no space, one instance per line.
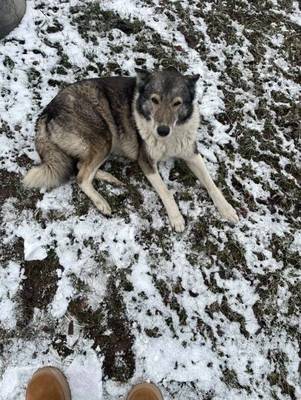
(192,79)
(142,76)
(191,82)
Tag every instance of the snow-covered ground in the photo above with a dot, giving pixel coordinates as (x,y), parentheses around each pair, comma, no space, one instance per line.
(213,313)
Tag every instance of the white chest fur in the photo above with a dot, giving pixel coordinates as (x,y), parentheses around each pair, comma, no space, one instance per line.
(179,144)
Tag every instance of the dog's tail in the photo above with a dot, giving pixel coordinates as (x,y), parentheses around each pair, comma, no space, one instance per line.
(56,166)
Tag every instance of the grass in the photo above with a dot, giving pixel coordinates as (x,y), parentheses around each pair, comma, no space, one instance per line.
(213,252)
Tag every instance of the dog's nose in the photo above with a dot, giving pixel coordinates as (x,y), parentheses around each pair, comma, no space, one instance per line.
(163,130)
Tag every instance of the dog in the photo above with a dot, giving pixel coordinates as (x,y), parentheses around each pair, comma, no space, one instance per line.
(147,118)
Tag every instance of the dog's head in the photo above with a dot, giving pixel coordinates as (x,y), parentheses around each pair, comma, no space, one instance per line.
(165,99)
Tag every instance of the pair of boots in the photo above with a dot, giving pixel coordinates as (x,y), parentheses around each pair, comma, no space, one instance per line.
(49,383)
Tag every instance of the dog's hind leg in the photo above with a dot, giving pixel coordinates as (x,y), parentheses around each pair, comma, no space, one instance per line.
(198,167)
(101,175)
(87,170)
(107,177)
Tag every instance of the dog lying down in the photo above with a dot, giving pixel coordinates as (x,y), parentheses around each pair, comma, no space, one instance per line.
(147,118)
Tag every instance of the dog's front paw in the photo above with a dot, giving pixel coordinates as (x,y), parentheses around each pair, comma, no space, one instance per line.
(228,212)
(177,222)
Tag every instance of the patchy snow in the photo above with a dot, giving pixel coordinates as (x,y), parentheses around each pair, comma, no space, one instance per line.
(212,313)
(10,278)
(295,16)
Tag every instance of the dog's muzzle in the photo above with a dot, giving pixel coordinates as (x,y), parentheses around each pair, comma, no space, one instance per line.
(163,130)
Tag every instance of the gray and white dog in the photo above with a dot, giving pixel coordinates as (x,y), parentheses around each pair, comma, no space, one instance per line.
(147,119)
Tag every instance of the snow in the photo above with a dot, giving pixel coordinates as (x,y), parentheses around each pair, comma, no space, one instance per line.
(85,377)
(296,15)
(185,305)
(10,277)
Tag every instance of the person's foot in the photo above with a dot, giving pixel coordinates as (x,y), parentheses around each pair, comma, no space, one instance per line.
(144,391)
(48,383)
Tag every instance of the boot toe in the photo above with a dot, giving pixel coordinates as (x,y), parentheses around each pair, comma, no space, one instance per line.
(144,391)
(48,383)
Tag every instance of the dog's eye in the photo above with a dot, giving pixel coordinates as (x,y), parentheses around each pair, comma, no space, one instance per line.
(154,100)
(177,103)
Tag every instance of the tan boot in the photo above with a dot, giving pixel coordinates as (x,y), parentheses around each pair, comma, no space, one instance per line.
(48,383)
(144,391)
